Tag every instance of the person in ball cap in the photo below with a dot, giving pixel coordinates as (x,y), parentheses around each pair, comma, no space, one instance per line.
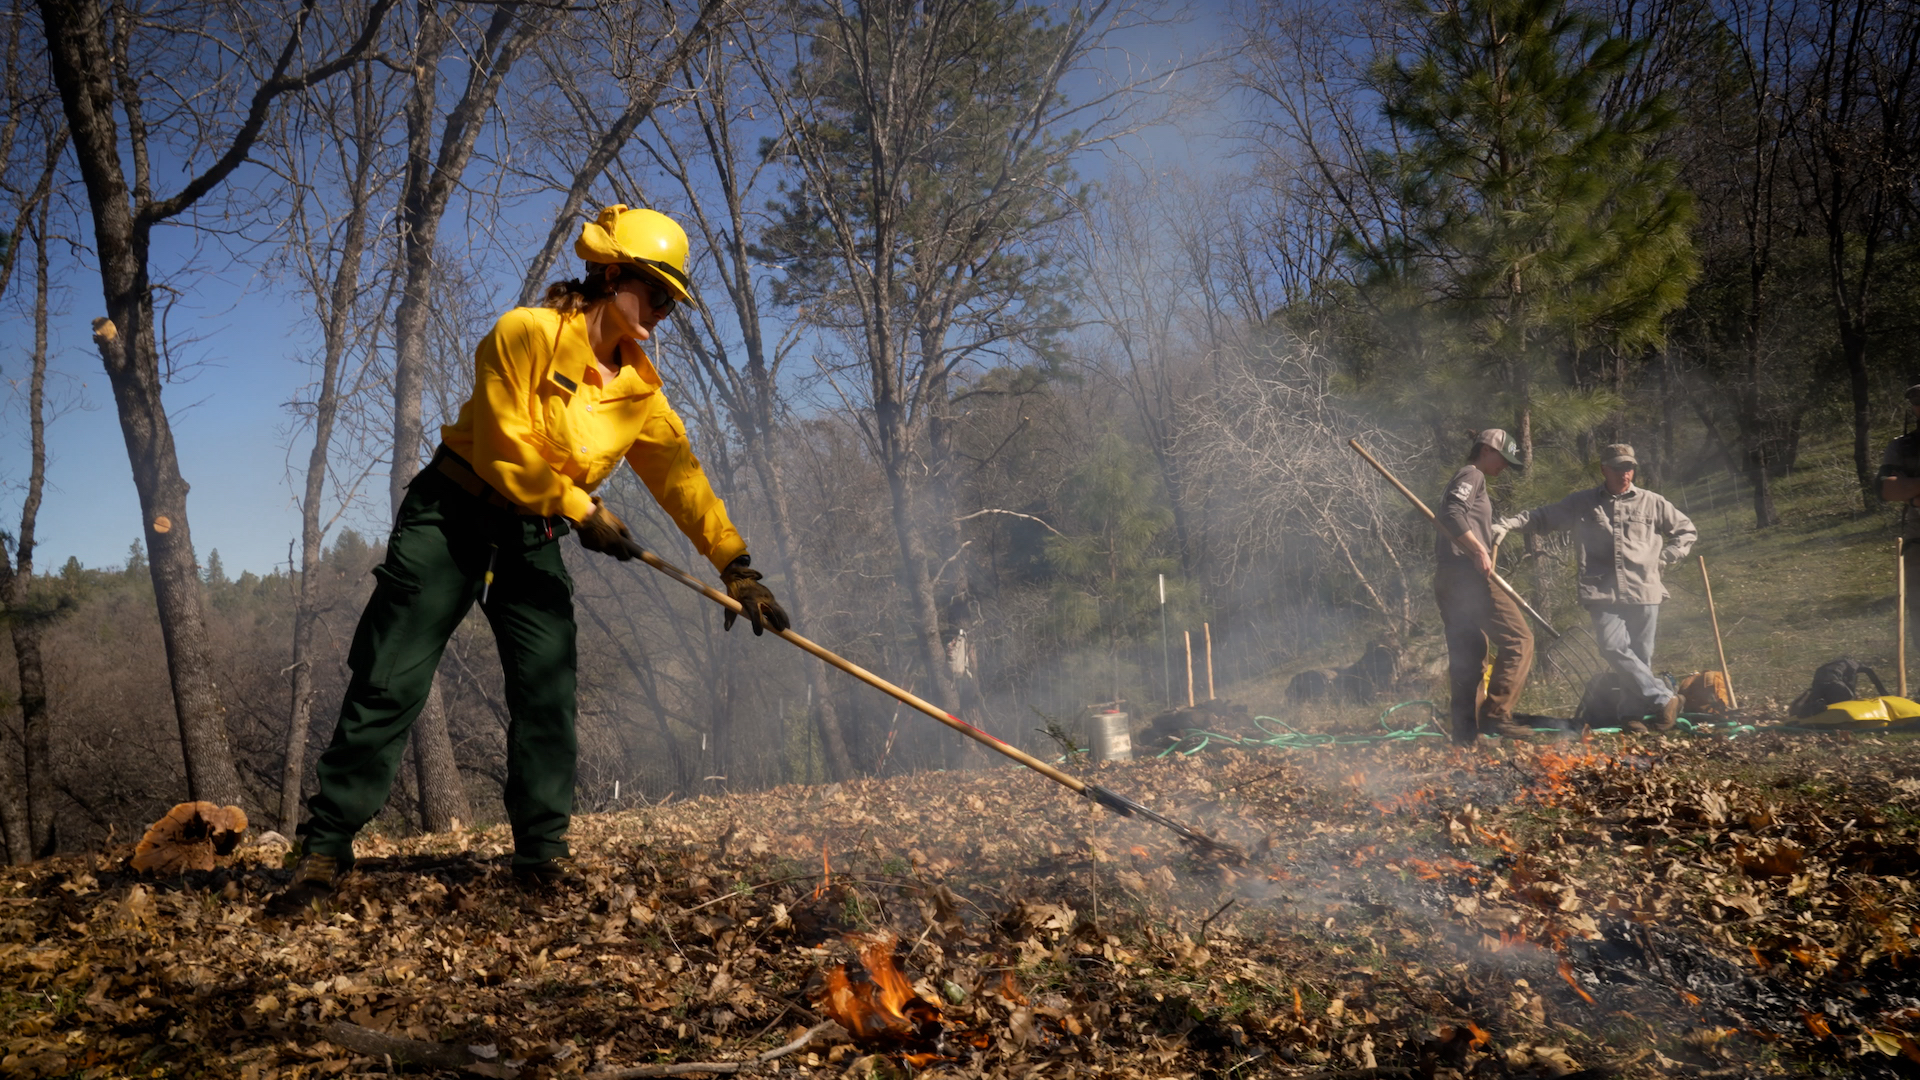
(1473,610)
(1622,537)
(1900,479)
(562,394)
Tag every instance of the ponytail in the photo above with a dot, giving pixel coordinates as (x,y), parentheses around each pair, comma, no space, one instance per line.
(571,296)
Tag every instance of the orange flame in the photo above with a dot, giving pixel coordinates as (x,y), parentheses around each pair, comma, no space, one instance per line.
(826,872)
(1566,972)
(873,1000)
(1439,868)
(1557,768)
(1817,1024)
(1405,802)
(1480,1038)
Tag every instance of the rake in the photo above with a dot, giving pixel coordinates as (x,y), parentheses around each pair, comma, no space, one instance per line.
(1106,797)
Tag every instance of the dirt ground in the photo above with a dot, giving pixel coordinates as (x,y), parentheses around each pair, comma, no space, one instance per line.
(1685,905)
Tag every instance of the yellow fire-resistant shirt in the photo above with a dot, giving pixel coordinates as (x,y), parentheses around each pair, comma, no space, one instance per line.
(543,430)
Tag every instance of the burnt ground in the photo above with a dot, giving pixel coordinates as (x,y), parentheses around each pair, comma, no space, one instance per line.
(1689,905)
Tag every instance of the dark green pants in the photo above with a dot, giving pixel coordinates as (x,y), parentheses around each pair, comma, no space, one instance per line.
(436,565)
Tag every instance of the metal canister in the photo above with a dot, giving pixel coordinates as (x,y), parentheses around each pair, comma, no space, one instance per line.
(1112,737)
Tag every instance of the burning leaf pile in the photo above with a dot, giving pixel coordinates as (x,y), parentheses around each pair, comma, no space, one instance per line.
(1674,906)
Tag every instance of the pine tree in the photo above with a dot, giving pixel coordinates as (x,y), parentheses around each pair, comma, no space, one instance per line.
(1538,228)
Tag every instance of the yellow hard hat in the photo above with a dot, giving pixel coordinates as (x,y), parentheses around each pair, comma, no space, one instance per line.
(644,238)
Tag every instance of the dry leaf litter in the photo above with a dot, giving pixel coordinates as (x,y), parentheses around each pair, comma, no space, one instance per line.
(1684,906)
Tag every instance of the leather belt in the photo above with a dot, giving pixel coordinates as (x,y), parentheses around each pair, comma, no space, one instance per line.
(456,469)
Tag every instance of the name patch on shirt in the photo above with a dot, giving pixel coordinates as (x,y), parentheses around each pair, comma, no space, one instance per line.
(566,382)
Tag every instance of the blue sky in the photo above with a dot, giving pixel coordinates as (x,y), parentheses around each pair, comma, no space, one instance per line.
(227,420)
(227,410)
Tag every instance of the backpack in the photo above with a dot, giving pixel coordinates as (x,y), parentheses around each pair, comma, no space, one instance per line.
(1609,701)
(1834,681)
(1704,692)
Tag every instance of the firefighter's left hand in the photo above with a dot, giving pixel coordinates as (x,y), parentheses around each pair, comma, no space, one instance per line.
(756,600)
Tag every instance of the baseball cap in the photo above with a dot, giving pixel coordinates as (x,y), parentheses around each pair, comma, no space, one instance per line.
(1618,456)
(1501,441)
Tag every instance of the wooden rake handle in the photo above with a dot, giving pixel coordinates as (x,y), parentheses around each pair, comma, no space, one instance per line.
(1118,803)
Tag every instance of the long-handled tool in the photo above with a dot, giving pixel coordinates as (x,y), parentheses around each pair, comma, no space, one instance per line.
(1415,500)
(1900,633)
(1733,700)
(1112,800)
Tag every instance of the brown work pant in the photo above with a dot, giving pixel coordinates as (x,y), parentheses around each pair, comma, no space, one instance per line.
(1474,612)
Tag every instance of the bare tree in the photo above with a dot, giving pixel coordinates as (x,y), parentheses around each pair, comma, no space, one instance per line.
(27,823)
(1855,121)
(1275,427)
(722,184)
(643,79)
(1129,253)
(327,248)
(434,171)
(106,58)
(934,150)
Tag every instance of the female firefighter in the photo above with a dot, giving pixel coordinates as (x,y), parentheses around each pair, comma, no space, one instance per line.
(562,393)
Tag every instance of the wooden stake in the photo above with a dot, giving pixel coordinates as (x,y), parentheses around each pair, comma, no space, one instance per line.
(1900,575)
(1207,629)
(1732,699)
(1188,635)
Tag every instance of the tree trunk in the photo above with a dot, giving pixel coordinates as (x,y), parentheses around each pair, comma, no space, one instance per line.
(824,717)
(1765,514)
(132,364)
(338,304)
(82,67)
(429,186)
(1853,346)
(443,798)
(27,822)
(923,608)
(93,84)
(299,714)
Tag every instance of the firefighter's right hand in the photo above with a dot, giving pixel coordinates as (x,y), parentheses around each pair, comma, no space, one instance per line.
(603,532)
(1499,533)
(1483,561)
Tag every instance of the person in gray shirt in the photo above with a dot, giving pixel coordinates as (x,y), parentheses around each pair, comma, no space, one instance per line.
(1622,537)
(1473,612)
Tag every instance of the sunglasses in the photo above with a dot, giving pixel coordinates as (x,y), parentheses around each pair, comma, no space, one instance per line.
(658,297)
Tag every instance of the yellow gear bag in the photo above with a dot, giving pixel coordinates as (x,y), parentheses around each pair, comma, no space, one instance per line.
(1869,714)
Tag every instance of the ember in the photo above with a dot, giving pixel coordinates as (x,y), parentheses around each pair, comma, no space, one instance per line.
(1557,769)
